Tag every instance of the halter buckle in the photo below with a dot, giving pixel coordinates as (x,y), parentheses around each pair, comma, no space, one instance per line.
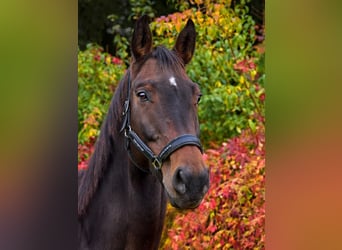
(156,163)
(125,108)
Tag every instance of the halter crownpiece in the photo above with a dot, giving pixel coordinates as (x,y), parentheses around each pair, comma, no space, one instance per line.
(172,146)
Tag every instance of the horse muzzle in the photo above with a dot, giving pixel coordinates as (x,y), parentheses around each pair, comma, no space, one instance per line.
(188,183)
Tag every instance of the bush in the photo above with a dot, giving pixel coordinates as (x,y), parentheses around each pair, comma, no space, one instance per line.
(232,215)
(98,75)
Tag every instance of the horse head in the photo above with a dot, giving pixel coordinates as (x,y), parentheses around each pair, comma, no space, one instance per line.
(161,115)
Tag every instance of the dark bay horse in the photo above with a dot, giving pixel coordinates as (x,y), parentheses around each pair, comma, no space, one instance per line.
(148,149)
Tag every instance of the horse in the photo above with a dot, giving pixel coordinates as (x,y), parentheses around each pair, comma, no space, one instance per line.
(148,151)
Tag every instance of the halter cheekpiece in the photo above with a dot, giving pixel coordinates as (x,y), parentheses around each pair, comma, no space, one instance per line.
(156,160)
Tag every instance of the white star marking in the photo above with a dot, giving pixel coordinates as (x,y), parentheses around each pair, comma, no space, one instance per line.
(173,81)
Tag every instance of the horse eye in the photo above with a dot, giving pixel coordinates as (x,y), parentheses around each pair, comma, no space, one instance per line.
(142,95)
(199,98)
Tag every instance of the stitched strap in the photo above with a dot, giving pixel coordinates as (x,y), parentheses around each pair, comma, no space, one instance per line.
(177,143)
(157,161)
(143,148)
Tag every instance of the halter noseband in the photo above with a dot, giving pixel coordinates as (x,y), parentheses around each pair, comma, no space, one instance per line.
(156,160)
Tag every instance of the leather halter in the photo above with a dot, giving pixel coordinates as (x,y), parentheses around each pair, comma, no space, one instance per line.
(156,160)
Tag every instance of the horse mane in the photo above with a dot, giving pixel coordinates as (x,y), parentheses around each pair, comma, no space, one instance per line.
(89,179)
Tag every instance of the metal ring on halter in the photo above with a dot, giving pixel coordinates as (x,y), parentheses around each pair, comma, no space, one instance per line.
(156,163)
(128,128)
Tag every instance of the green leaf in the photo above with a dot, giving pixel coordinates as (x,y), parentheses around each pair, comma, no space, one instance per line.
(252,125)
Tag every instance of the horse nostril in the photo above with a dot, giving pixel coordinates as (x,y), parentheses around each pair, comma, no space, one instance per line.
(179,180)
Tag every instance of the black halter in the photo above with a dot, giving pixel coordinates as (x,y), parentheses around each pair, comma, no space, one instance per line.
(156,160)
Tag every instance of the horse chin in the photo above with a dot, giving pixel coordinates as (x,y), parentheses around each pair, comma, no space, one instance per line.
(184,204)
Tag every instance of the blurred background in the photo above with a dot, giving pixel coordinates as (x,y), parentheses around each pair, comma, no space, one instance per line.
(43,48)
(229,66)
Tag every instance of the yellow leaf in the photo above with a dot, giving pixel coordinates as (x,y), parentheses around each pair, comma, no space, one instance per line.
(241,79)
(253,73)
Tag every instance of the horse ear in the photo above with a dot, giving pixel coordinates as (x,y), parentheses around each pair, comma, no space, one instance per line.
(185,44)
(142,38)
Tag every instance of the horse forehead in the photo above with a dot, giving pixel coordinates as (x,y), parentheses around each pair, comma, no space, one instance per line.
(166,83)
(152,69)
